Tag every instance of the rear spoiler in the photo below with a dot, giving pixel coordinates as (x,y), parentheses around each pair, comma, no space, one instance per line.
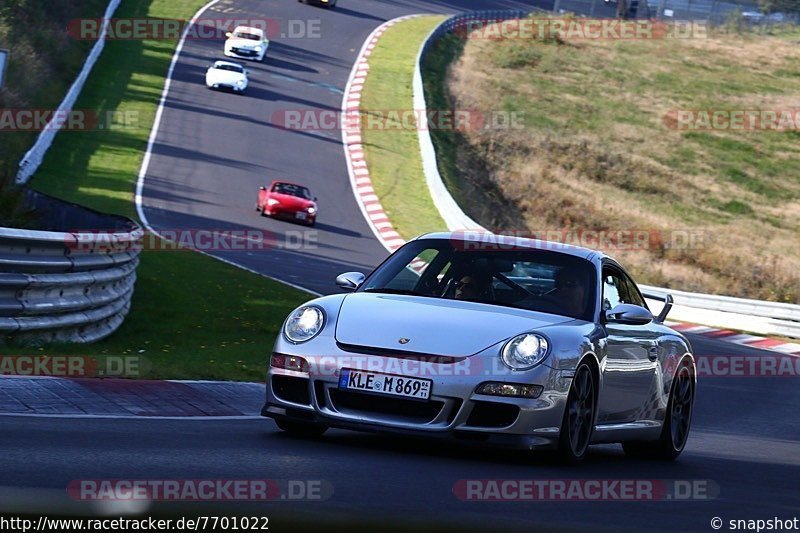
(666,298)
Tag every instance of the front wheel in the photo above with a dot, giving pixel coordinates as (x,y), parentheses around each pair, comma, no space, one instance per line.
(579,416)
(677,421)
(301,429)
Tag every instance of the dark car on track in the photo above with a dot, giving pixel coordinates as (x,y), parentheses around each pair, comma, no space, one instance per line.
(324,3)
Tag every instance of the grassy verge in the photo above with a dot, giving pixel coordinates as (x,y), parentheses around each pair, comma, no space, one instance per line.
(391,147)
(598,150)
(43,63)
(192,316)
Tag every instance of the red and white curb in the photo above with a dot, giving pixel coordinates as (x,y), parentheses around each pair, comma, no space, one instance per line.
(736,337)
(360,179)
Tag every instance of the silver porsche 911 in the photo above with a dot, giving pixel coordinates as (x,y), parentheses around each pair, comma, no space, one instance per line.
(496,340)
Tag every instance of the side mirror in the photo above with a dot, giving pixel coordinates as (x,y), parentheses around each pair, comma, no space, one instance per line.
(350,281)
(629,314)
(315,198)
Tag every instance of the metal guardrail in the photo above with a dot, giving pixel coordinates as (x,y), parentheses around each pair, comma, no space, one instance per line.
(67,286)
(777,318)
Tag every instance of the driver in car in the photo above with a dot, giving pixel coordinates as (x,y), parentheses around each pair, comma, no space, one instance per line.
(474,286)
(570,291)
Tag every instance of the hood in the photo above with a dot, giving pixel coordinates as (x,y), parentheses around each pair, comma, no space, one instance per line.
(434,326)
(224,76)
(293,202)
(247,44)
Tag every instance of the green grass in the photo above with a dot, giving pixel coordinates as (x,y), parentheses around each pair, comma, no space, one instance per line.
(192,316)
(392,153)
(42,63)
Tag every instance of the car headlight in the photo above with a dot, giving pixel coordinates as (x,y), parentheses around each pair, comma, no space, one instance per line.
(304,324)
(240,83)
(273,201)
(312,210)
(259,48)
(525,351)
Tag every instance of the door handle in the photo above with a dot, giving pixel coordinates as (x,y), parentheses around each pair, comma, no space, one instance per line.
(652,354)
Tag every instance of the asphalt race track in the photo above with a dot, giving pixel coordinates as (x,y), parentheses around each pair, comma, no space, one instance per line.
(215,149)
(744,441)
(212,152)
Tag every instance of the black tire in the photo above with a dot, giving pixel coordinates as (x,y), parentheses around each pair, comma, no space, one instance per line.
(301,429)
(579,416)
(677,421)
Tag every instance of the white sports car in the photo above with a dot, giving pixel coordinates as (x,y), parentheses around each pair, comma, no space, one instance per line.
(247,43)
(227,75)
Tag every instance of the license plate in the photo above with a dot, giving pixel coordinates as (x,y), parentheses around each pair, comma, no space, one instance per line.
(301,216)
(385,384)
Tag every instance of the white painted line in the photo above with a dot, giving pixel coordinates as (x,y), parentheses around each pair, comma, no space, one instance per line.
(789,348)
(742,339)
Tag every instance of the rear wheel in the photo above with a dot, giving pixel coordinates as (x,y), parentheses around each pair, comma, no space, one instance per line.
(301,429)
(677,421)
(579,415)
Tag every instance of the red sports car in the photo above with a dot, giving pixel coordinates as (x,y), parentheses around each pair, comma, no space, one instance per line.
(288,201)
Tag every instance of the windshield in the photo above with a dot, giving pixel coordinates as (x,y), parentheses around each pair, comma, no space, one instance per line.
(539,280)
(231,68)
(292,190)
(248,36)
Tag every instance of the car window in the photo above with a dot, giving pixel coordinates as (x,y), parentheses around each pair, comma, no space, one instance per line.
(611,290)
(292,190)
(230,68)
(619,289)
(248,36)
(633,293)
(537,280)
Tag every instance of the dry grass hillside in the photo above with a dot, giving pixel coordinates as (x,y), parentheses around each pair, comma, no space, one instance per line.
(596,152)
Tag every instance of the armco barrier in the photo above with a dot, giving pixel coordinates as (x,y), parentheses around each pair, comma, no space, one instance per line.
(34,157)
(768,318)
(66,285)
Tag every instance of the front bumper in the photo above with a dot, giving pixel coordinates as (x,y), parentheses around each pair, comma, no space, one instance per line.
(453,411)
(243,53)
(291,215)
(227,87)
